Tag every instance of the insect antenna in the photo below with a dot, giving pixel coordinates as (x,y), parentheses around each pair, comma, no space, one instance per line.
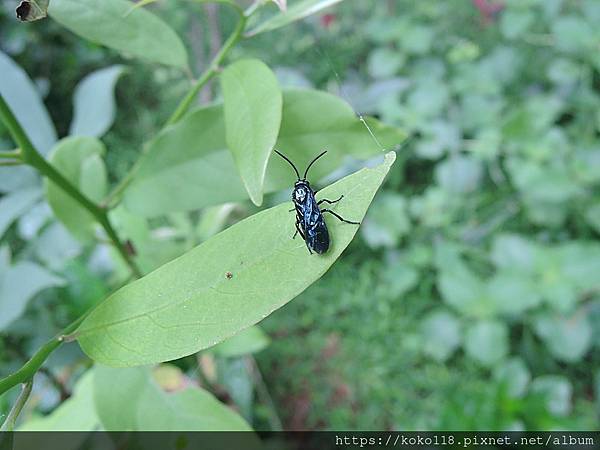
(311,163)
(291,163)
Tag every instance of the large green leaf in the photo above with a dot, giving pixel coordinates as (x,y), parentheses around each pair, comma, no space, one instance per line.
(24,100)
(189,166)
(79,159)
(131,400)
(186,167)
(296,11)
(252,106)
(94,102)
(139,33)
(191,303)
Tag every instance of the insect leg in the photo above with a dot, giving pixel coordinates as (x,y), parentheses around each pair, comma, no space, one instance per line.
(330,202)
(298,230)
(339,217)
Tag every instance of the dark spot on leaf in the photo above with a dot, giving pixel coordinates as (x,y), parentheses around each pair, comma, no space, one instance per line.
(228,275)
(23,11)
(130,248)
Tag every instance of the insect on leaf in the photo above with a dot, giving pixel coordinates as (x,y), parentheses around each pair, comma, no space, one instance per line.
(30,10)
(253,103)
(189,304)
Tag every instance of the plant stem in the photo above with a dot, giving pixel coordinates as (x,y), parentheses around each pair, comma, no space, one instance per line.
(11,163)
(29,155)
(264,394)
(14,154)
(11,420)
(213,67)
(32,366)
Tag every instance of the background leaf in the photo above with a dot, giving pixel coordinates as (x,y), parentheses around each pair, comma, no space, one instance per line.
(79,160)
(441,334)
(296,11)
(139,33)
(94,103)
(252,106)
(15,204)
(188,305)
(24,100)
(197,174)
(131,400)
(250,340)
(487,341)
(18,284)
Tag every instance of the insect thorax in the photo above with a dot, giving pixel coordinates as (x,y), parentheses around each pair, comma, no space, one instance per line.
(301,191)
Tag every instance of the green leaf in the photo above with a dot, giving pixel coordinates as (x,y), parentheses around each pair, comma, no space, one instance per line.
(513,292)
(190,303)
(94,103)
(250,340)
(567,338)
(139,33)
(19,284)
(514,23)
(131,400)
(459,174)
(556,392)
(79,159)
(487,342)
(15,204)
(31,10)
(387,221)
(514,376)
(441,334)
(75,414)
(188,166)
(252,106)
(24,100)
(298,10)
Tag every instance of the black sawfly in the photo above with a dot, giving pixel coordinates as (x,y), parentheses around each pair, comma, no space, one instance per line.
(309,217)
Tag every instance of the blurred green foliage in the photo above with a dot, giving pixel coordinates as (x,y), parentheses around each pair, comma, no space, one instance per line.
(472,298)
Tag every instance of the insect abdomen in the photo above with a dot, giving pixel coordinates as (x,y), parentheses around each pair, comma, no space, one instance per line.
(318,237)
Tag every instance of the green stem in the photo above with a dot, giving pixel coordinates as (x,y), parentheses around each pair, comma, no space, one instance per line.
(11,163)
(31,156)
(213,67)
(14,154)
(32,366)
(11,420)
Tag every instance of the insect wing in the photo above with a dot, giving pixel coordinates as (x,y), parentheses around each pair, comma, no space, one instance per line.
(313,225)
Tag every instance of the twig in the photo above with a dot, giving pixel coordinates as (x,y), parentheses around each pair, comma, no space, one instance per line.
(263,393)
(33,365)
(11,420)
